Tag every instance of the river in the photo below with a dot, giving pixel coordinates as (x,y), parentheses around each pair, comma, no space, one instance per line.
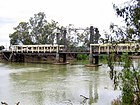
(45,84)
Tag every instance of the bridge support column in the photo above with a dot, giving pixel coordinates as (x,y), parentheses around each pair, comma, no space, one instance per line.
(96,60)
(64,58)
(57,58)
(91,56)
(90,59)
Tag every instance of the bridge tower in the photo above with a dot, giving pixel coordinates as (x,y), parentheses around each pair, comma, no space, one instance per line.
(57,53)
(94,36)
(91,41)
(64,43)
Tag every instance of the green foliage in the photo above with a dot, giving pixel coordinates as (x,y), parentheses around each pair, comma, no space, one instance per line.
(103,58)
(128,62)
(2,47)
(128,79)
(36,31)
(82,57)
(127,95)
(129,12)
(131,15)
(21,35)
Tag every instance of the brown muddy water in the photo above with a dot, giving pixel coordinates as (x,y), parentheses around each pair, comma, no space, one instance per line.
(45,84)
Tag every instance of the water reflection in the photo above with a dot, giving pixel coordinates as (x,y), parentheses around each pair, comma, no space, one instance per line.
(93,99)
(43,84)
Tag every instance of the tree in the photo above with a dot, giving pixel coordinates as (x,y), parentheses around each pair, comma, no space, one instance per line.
(37,24)
(2,47)
(36,31)
(96,36)
(128,79)
(130,12)
(21,35)
(42,31)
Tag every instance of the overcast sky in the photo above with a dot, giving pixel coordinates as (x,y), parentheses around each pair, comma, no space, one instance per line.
(81,13)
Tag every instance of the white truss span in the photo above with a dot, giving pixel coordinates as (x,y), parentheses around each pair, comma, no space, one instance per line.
(36,48)
(102,48)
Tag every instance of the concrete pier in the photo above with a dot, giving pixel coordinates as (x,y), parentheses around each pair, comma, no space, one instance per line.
(57,58)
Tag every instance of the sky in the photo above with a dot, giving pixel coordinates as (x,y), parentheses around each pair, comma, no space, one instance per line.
(80,13)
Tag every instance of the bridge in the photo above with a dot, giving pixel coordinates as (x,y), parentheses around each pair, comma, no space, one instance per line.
(24,53)
(94,48)
(118,48)
(20,52)
(37,48)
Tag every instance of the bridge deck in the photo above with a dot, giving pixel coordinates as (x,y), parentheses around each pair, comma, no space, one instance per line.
(120,48)
(54,53)
(94,48)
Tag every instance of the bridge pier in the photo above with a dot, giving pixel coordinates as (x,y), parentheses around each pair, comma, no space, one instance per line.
(96,59)
(64,58)
(64,43)
(57,58)
(62,61)
(96,62)
(90,59)
(93,61)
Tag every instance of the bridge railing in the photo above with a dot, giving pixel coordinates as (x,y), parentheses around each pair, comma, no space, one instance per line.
(107,48)
(36,48)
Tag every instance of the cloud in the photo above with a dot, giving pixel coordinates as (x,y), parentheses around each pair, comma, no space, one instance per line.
(6,20)
(81,13)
